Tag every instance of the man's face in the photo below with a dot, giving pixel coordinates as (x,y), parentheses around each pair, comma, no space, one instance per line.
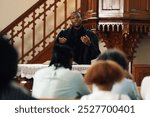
(76,19)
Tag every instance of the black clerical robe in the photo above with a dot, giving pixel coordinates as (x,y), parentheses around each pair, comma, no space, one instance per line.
(83,54)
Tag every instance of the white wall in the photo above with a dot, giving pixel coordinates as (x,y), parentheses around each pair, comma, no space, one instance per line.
(11,9)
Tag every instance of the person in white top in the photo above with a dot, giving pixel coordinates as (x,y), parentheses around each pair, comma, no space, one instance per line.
(103,74)
(127,86)
(58,80)
(145,88)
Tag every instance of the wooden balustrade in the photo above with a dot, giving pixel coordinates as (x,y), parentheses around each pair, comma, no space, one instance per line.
(36,29)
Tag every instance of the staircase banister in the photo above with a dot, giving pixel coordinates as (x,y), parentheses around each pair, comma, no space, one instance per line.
(25,14)
(24,27)
(44,39)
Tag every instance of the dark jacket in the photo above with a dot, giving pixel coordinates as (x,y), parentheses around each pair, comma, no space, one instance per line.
(83,54)
(14,92)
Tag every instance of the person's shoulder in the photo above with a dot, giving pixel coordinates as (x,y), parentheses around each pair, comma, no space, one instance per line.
(42,71)
(128,81)
(76,75)
(89,31)
(15,91)
(75,72)
(66,30)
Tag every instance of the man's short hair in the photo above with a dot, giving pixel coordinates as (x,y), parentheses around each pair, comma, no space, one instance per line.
(77,12)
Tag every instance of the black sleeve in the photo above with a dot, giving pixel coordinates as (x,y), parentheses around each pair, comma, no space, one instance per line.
(94,47)
(59,35)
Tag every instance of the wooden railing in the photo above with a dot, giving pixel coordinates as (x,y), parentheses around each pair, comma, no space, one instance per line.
(37,28)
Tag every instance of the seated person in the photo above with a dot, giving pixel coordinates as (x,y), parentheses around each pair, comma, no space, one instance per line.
(127,86)
(58,80)
(10,90)
(145,88)
(103,74)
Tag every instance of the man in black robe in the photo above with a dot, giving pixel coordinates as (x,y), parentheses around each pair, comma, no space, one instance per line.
(83,41)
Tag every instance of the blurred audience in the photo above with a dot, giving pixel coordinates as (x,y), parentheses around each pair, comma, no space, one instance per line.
(145,88)
(127,86)
(9,89)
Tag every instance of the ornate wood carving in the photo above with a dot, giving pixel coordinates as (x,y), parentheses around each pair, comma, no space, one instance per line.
(120,23)
(124,36)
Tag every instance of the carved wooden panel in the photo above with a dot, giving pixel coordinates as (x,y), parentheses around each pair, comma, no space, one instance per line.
(139,71)
(120,35)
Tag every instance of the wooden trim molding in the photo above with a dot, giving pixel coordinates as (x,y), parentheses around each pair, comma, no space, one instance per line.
(122,34)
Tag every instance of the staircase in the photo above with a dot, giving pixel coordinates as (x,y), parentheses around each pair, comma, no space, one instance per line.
(34,32)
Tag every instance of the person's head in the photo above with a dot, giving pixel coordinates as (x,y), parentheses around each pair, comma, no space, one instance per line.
(62,56)
(115,55)
(104,74)
(76,19)
(8,61)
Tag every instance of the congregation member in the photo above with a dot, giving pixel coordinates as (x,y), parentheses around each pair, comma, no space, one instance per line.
(84,42)
(127,86)
(58,80)
(103,74)
(9,89)
(145,88)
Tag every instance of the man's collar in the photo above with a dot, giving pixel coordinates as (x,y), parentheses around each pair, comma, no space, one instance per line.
(77,27)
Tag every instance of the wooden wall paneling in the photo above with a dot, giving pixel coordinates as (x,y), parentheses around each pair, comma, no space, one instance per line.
(89,8)
(139,9)
(139,5)
(144,5)
(139,71)
(133,5)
